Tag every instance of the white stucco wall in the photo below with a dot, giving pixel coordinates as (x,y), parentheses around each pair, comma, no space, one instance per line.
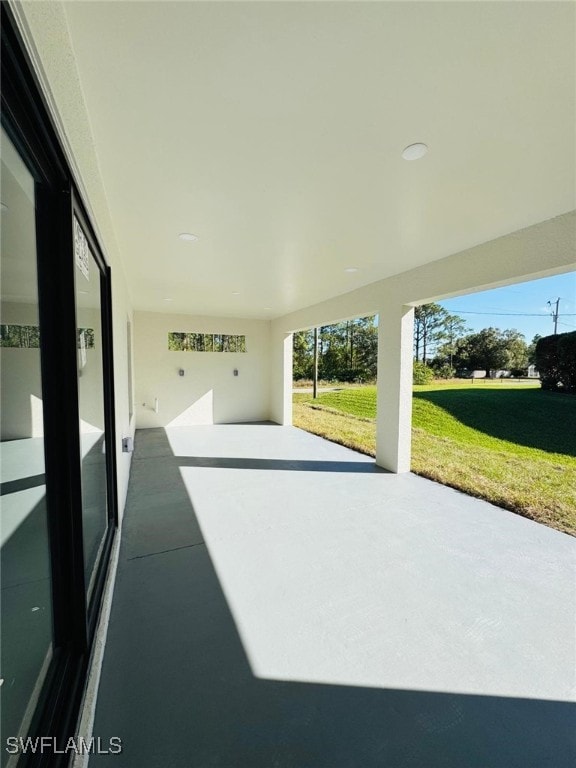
(281,377)
(208,393)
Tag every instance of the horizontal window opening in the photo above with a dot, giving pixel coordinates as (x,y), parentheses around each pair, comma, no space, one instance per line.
(205,342)
(28,337)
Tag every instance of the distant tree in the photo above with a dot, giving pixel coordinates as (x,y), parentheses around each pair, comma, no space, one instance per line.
(454,329)
(485,350)
(429,327)
(366,348)
(492,349)
(436,331)
(516,352)
(332,351)
(303,354)
(347,351)
(532,349)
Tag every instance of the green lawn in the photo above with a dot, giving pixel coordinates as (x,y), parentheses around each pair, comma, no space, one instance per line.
(510,444)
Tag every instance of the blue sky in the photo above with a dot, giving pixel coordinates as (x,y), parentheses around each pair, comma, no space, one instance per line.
(526,304)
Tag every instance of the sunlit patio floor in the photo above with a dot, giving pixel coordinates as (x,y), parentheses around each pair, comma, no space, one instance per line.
(282,603)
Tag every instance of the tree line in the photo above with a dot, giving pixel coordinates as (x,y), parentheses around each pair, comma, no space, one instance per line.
(347,351)
(28,336)
(443,346)
(444,343)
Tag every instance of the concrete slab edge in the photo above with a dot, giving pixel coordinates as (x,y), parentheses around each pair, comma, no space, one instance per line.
(88,706)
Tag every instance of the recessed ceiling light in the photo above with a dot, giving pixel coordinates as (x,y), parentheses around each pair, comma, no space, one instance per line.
(414,151)
(235,293)
(187,236)
(351,269)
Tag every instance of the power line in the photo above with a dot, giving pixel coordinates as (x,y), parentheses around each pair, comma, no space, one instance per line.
(513,314)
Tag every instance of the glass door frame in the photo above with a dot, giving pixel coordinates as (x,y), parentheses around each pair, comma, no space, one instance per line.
(78,212)
(28,124)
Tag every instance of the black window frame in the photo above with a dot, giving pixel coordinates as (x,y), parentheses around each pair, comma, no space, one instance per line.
(79,212)
(27,122)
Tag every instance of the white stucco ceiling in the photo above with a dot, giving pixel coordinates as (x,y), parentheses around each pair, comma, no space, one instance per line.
(274,131)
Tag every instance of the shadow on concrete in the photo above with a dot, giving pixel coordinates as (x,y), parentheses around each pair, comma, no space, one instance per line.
(22,484)
(178,689)
(363,467)
(526,417)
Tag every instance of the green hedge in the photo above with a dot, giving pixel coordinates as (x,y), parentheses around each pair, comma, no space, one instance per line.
(421,374)
(555,359)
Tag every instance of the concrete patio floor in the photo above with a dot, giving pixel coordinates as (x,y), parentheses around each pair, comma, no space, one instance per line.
(282,603)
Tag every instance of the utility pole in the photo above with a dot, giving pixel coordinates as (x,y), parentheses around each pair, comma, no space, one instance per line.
(555,314)
(315,378)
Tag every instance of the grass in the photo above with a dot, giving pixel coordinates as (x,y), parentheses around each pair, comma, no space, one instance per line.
(512,445)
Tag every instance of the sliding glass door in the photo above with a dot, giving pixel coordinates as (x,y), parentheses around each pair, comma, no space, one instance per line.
(95,510)
(57,443)
(26,593)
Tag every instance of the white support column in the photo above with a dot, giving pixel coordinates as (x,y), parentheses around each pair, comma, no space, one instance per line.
(281,378)
(394,402)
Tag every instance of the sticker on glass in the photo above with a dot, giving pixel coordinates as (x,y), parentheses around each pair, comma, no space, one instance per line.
(82,349)
(81,250)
